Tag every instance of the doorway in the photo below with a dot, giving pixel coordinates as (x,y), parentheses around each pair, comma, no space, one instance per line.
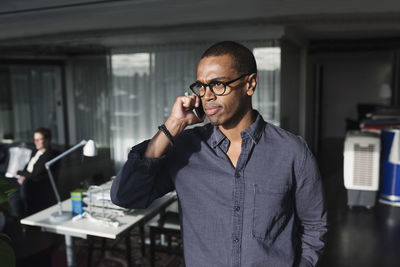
(348,81)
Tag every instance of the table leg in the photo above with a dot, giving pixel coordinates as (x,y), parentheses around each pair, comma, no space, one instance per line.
(128,250)
(69,248)
(142,240)
(152,247)
(90,250)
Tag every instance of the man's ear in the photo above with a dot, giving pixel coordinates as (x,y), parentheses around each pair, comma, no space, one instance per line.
(252,83)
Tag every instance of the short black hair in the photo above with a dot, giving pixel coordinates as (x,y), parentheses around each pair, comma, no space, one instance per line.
(45,132)
(242,56)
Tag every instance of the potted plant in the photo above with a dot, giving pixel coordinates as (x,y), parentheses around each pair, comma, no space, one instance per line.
(7,254)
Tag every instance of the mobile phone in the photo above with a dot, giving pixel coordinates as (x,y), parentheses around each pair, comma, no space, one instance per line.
(199,111)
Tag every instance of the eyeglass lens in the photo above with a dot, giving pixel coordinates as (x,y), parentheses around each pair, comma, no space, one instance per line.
(217,88)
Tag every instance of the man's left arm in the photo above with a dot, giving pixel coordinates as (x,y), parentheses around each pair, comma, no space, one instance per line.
(311,210)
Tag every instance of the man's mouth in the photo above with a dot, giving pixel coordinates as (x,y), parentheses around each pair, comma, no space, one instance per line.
(211,110)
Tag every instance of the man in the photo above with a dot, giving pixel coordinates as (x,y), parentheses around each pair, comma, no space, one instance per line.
(250,193)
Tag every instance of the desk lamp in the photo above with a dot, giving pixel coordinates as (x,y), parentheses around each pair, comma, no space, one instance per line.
(89,150)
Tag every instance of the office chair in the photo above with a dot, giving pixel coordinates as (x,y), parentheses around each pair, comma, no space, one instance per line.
(166,228)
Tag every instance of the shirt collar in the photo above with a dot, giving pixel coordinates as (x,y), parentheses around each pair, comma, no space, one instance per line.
(254,131)
(217,137)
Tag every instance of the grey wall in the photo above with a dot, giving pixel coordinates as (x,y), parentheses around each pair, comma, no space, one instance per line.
(348,79)
(290,85)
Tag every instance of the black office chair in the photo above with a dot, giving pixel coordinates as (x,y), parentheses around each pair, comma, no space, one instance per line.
(166,228)
(111,246)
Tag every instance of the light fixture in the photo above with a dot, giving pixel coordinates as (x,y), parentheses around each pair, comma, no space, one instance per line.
(385,93)
(89,150)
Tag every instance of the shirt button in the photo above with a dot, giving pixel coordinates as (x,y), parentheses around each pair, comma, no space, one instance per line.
(236,240)
(237,175)
(237,208)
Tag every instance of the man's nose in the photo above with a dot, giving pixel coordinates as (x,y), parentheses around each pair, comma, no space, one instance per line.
(208,95)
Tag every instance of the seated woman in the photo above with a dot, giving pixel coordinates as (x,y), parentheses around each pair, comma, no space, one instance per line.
(35,189)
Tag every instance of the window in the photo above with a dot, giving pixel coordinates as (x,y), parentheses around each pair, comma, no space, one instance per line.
(33,98)
(267,96)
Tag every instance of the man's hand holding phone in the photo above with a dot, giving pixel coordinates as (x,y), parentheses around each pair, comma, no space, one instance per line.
(182,115)
(198,110)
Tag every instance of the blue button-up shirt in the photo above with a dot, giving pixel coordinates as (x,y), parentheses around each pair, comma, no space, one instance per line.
(268,211)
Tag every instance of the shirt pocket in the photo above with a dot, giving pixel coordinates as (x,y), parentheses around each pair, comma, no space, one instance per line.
(269,212)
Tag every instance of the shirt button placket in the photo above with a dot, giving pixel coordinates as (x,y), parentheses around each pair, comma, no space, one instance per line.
(238,219)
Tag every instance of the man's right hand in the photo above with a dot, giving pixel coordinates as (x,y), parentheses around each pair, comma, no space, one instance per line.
(181,116)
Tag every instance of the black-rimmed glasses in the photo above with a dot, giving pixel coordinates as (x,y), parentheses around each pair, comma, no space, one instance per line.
(216,87)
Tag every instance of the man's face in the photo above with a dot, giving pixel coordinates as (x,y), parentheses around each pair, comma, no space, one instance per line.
(225,110)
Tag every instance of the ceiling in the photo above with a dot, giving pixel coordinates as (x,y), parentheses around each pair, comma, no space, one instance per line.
(66,23)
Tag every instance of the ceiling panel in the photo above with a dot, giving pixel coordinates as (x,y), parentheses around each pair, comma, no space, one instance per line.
(21,6)
(39,18)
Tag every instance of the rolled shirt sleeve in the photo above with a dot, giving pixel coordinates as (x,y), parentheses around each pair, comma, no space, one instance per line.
(141,180)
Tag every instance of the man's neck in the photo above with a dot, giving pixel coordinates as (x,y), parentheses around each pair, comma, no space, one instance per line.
(233,131)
